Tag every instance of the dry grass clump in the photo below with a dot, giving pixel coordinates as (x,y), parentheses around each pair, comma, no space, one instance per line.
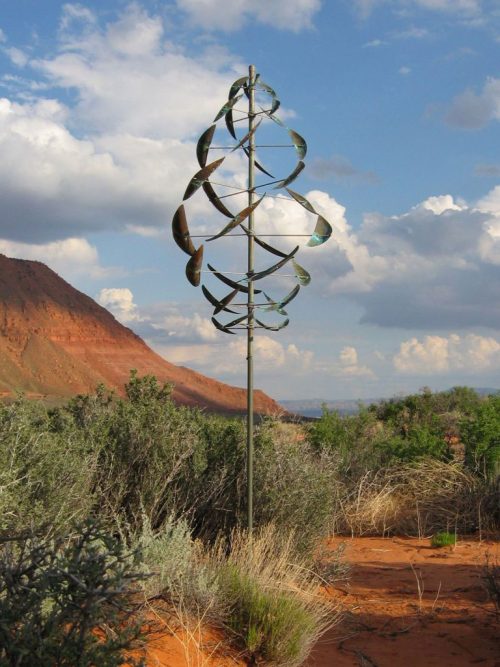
(256,587)
(274,600)
(417,498)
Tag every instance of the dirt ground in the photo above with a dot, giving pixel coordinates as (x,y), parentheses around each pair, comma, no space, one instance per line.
(406,605)
(410,605)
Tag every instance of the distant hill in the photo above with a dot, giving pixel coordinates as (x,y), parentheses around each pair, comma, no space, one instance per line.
(57,342)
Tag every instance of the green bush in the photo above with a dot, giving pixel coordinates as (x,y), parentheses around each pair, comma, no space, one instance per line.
(271,623)
(443,540)
(46,476)
(67,601)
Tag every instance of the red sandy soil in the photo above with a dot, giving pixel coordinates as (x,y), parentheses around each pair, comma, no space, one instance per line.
(387,625)
(57,342)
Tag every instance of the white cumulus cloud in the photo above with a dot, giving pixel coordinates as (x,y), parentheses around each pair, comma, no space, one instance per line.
(443,354)
(292,15)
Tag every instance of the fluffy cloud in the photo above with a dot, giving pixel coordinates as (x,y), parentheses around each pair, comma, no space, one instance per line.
(138,102)
(437,354)
(472,111)
(120,301)
(72,257)
(432,267)
(292,15)
(228,359)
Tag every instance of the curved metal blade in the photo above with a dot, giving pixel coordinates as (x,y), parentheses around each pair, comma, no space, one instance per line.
(257,164)
(203,145)
(217,304)
(180,231)
(302,201)
(275,104)
(228,118)
(220,327)
(280,305)
(276,119)
(291,177)
(200,177)
(274,267)
(301,274)
(273,328)
(299,143)
(227,107)
(231,283)
(242,215)
(322,232)
(238,320)
(193,267)
(210,192)
(247,136)
(289,297)
(239,83)
(268,247)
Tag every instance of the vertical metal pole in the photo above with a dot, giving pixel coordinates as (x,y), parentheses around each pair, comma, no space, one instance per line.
(250,305)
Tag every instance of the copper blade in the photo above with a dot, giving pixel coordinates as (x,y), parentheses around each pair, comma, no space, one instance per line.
(273,328)
(265,245)
(239,83)
(210,192)
(299,143)
(203,145)
(200,177)
(322,232)
(181,232)
(231,283)
(247,136)
(301,274)
(227,107)
(302,201)
(291,177)
(257,164)
(217,304)
(220,327)
(193,267)
(274,267)
(238,219)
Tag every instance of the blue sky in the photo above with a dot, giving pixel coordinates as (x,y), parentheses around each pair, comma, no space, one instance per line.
(101,104)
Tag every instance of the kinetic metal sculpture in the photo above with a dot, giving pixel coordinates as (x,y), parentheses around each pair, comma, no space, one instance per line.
(244,223)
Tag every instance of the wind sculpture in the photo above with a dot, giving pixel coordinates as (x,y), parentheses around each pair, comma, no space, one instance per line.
(248,312)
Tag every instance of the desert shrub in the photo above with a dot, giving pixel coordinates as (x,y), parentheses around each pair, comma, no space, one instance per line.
(66,601)
(490,576)
(417,498)
(46,476)
(273,599)
(443,539)
(258,588)
(293,484)
(176,568)
(480,432)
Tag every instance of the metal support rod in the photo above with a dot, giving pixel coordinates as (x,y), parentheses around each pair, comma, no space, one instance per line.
(250,302)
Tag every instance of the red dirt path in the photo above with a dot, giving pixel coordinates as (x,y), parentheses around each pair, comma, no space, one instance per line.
(387,625)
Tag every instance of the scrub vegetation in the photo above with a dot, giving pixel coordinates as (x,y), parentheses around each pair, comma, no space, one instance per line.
(154,495)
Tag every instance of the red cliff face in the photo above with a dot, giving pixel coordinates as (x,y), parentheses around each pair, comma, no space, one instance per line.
(56,341)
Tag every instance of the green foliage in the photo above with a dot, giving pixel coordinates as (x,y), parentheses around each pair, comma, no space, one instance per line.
(443,540)
(271,623)
(480,431)
(66,601)
(46,474)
